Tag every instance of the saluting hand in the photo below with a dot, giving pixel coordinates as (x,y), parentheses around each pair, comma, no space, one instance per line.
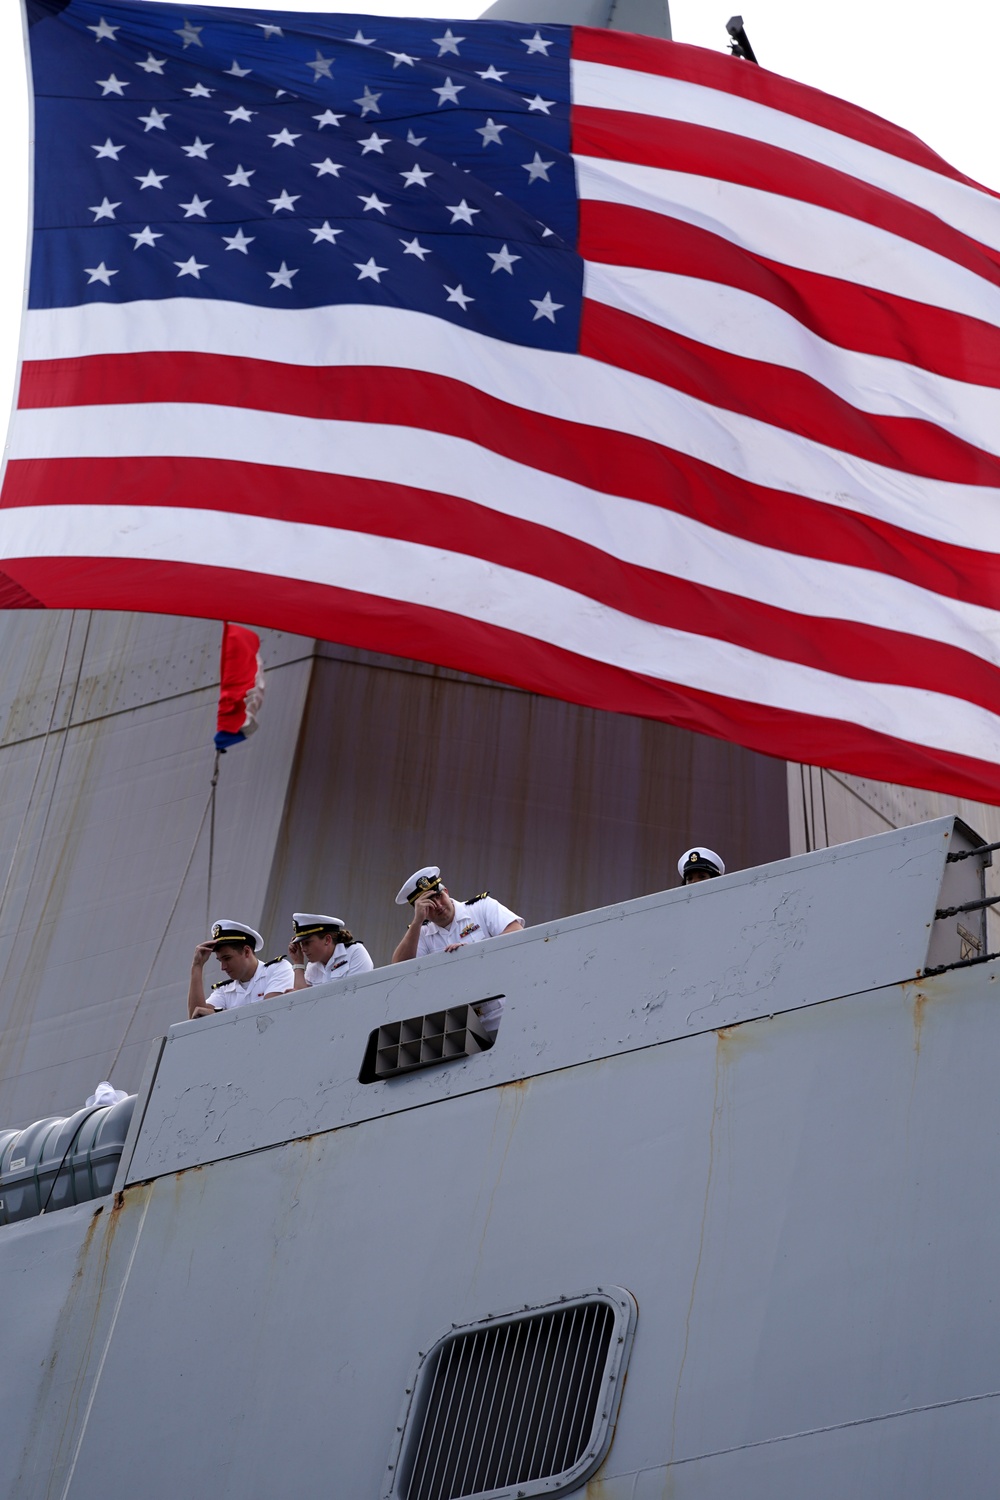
(202,954)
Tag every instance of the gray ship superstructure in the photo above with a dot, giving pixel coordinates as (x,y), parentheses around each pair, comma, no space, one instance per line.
(713,1216)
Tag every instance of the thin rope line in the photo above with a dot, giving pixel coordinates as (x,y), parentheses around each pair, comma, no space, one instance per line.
(38,767)
(211,843)
(163,937)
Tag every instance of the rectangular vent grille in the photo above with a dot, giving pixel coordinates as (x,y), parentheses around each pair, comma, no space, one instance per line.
(419,1042)
(512,1403)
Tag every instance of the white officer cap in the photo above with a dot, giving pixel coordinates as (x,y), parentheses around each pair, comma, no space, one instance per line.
(308,923)
(228,931)
(700,861)
(422,881)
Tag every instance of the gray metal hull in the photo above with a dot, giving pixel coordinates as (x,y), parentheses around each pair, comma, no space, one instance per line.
(744,1102)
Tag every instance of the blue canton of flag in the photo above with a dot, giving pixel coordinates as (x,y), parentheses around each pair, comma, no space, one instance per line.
(303,161)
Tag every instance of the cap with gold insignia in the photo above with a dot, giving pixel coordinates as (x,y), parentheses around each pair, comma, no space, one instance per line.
(309,923)
(228,931)
(700,862)
(423,883)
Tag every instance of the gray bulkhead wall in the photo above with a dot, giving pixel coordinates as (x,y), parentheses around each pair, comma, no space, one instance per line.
(555,808)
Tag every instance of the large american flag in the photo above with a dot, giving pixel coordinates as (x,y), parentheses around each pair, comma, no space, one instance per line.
(619,370)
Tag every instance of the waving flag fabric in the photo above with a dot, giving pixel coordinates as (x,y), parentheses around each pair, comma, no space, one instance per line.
(608,367)
(241,686)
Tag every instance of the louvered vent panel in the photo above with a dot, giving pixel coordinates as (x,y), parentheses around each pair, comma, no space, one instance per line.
(516,1403)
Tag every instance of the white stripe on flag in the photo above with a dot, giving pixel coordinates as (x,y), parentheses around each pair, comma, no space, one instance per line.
(968,209)
(795,234)
(736,322)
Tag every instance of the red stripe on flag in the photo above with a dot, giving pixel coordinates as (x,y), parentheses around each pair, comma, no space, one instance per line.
(842,647)
(678,146)
(714,70)
(851,316)
(378,624)
(782,397)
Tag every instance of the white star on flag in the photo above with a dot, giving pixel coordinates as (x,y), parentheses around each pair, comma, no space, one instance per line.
(152,64)
(369,271)
(328,118)
(198,148)
(240,113)
(325,233)
(447,43)
(284,137)
(237,72)
(321,66)
(190,267)
(238,241)
(189,35)
(536,44)
(112,85)
(373,201)
(282,277)
(491,75)
(362,41)
(402,57)
(461,212)
(373,142)
(503,260)
(456,294)
(101,32)
(104,210)
(108,150)
(327,168)
(416,176)
(195,209)
(546,308)
(199,91)
(101,272)
(146,236)
(414,247)
(241,177)
(538,105)
(448,92)
(285,200)
(368,102)
(490,132)
(154,120)
(537,168)
(152,179)
(269,30)
(414,140)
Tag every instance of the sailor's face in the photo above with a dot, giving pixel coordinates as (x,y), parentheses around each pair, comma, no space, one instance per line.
(697,877)
(236,963)
(317,947)
(439,906)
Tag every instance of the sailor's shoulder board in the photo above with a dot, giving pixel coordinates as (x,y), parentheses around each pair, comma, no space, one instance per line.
(471,900)
(348,942)
(268,962)
(221,983)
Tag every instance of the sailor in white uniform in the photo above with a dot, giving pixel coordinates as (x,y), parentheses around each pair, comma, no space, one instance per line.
(322,949)
(699,864)
(441,925)
(247,979)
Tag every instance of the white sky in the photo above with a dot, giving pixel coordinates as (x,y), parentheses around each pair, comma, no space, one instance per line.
(929,68)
